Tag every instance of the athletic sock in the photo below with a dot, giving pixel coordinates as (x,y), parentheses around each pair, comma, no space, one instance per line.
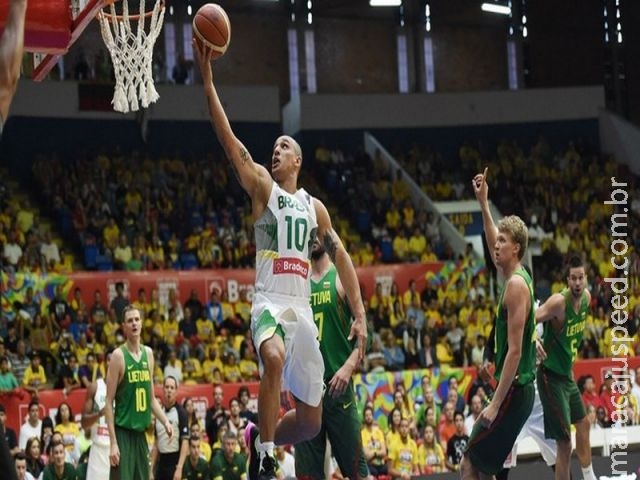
(266,448)
(588,474)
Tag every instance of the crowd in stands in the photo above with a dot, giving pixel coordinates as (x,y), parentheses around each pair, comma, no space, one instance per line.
(132,212)
(66,344)
(26,244)
(141,213)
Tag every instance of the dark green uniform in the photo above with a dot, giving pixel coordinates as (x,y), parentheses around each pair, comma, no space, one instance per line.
(489,447)
(559,394)
(132,416)
(340,420)
(222,469)
(69,473)
(199,472)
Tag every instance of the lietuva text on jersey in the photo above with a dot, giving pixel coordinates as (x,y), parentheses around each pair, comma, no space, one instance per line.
(320,298)
(575,328)
(137,376)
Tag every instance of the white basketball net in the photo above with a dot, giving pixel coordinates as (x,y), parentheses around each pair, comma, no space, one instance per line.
(132,54)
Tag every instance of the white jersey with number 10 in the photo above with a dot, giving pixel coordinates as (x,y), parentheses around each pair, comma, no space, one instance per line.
(284,236)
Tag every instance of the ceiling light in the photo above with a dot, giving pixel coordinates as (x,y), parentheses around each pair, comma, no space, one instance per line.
(385,3)
(496,8)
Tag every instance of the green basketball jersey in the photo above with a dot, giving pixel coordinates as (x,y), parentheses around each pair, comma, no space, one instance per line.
(562,346)
(133,397)
(526,368)
(333,319)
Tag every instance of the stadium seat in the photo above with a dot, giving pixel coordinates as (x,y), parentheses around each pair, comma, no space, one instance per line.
(188,261)
(91,256)
(104,263)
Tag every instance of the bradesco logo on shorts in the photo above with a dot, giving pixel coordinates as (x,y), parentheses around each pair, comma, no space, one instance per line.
(294,266)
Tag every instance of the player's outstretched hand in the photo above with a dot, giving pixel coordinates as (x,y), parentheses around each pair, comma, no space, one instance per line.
(485,372)
(480,186)
(541,355)
(114,455)
(488,415)
(203,57)
(359,331)
(168,428)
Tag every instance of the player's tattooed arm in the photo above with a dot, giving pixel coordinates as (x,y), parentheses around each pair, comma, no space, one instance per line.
(330,244)
(244,155)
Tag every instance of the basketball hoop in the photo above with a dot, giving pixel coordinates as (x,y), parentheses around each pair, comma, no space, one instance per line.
(132,53)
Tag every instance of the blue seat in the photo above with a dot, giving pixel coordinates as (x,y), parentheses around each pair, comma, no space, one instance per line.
(104,263)
(91,256)
(386,248)
(188,261)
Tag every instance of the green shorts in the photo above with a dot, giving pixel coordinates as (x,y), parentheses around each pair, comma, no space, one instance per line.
(489,447)
(134,456)
(561,402)
(341,426)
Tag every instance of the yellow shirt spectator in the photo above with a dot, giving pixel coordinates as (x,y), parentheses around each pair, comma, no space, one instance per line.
(403,457)
(111,234)
(243,310)
(249,369)
(204,327)
(81,353)
(408,214)
(431,459)
(428,256)
(34,379)
(399,188)
(209,366)
(133,200)
(483,315)
(443,353)
(70,432)
(393,218)
(231,370)
(401,247)
(464,314)
(171,330)
(410,298)
(227,308)
(374,442)
(417,244)
(192,371)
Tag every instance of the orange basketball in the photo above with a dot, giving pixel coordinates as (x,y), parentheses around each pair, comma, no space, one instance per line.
(211,27)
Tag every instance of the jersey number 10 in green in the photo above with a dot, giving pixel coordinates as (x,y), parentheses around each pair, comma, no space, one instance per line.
(141,400)
(296,232)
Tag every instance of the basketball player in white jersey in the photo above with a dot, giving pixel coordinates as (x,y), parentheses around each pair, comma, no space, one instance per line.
(534,427)
(287,220)
(99,464)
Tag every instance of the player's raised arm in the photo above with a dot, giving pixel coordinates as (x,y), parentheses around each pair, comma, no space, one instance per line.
(340,257)
(11,47)
(481,189)
(114,374)
(254,178)
(552,309)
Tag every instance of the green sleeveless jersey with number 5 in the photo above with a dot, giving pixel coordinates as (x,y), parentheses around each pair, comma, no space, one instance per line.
(332,316)
(133,396)
(526,368)
(562,345)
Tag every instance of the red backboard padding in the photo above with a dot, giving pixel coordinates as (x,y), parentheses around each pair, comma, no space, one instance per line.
(48,25)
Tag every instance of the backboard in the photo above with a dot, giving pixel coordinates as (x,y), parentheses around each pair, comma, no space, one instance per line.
(52,26)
